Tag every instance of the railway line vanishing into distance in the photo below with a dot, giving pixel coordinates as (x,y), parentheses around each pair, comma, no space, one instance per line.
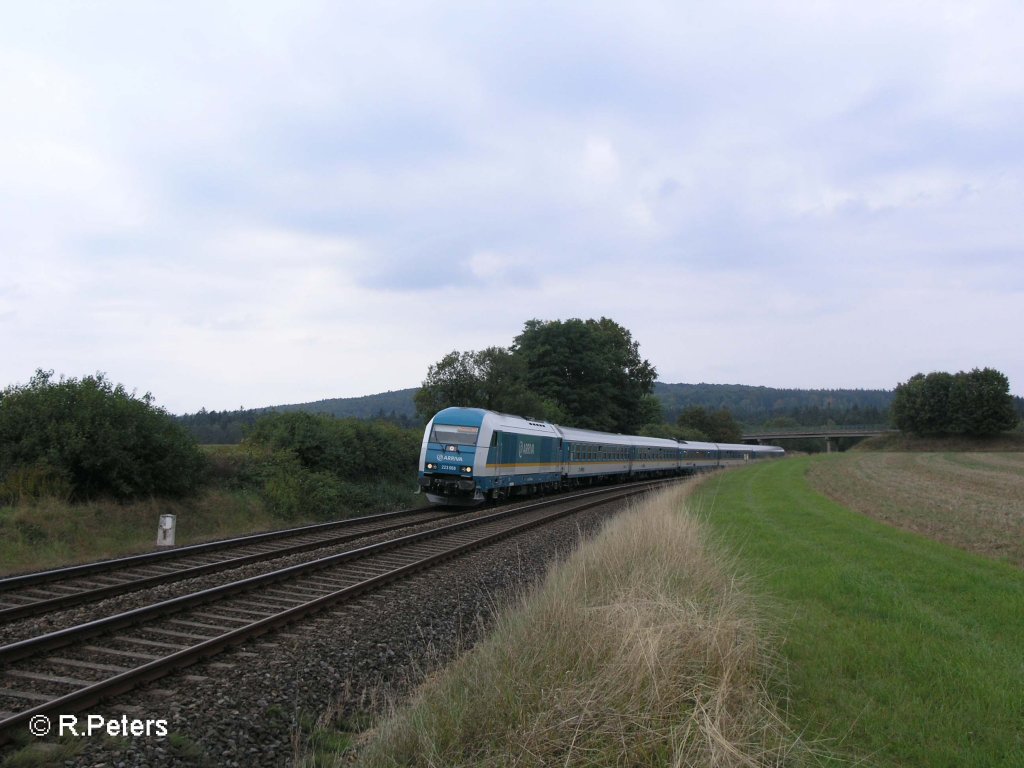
(73,668)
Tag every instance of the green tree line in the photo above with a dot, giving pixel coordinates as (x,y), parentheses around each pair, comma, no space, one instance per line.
(755,406)
(975,403)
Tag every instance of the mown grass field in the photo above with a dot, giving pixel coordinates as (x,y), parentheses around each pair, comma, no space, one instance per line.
(900,650)
(974,501)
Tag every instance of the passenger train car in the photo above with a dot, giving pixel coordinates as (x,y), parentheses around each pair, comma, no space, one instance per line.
(470,455)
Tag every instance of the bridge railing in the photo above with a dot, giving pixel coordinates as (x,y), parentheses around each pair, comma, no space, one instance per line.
(827,431)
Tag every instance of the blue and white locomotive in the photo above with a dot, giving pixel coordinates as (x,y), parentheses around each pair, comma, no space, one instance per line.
(471,454)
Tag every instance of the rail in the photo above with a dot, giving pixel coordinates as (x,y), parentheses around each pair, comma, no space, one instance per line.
(268,602)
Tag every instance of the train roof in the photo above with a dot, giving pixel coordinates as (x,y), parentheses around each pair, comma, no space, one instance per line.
(460,417)
(480,417)
(609,438)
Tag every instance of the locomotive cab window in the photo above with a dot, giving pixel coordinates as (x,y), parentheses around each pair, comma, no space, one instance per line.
(451,434)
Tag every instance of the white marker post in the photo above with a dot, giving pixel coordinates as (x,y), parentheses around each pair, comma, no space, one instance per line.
(165,533)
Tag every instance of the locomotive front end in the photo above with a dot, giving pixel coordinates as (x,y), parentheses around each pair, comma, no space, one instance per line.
(448,457)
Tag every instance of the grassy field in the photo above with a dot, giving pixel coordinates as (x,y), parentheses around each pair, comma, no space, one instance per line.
(245,492)
(49,533)
(643,649)
(901,650)
(974,501)
(900,441)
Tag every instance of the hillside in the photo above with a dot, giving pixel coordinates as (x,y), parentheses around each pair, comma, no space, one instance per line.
(749,405)
(755,405)
(223,427)
(391,405)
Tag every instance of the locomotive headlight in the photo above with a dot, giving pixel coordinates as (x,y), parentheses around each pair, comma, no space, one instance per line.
(431,466)
(467,470)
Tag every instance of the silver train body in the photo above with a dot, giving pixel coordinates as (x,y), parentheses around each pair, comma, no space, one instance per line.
(470,455)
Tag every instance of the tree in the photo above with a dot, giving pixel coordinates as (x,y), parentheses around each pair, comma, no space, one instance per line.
(724,428)
(453,380)
(651,411)
(977,403)
(907,405)
(493,378)
(91,438)
(982,403)
(717,427)
(503,377)
(587,374)
(591,370)
(694,417)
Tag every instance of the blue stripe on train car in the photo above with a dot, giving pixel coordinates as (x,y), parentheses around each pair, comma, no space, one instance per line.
(517,459)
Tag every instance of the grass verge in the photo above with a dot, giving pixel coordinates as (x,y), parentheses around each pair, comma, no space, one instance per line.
(902,650)
(49,532)
(640,650)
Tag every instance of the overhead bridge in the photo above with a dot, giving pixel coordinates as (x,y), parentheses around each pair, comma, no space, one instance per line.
(829,434)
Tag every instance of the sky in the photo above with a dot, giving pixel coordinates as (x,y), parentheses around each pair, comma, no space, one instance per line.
(239,204)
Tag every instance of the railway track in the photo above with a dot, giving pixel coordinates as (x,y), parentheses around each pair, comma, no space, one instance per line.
(43,592)
(71,669)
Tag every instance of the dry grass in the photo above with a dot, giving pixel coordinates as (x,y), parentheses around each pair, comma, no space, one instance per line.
(48,533)
(641,650)
(974,501)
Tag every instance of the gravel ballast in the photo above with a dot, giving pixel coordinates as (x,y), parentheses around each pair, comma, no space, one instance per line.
(254,705)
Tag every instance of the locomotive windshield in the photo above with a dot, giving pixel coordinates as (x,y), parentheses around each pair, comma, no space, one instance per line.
(453,435)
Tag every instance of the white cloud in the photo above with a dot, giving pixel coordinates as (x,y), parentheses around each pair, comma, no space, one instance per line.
(269,202)
(488,265)
(600,161)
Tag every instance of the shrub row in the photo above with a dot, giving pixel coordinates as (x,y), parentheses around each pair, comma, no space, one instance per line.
(351,449)
(316,466)
(83,438)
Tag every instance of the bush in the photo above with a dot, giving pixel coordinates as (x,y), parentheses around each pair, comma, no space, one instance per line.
(351,449)
(87,438)
(34,481)
(292,492)
(314,466)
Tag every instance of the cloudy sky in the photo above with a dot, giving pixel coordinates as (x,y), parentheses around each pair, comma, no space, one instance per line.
(255,203)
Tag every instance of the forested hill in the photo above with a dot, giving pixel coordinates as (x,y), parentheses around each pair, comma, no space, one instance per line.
(748,405)
(396,405)
(221,427)
(755,405)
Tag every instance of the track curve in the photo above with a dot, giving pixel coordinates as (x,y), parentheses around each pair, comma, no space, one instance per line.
(104,658)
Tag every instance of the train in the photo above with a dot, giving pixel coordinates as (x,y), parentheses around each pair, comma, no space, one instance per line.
(473,455)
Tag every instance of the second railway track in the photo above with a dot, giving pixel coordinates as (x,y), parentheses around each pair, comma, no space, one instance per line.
(34,594)
(71,669)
